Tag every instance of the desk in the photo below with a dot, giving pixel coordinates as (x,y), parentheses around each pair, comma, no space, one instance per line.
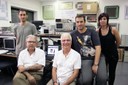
(8,55)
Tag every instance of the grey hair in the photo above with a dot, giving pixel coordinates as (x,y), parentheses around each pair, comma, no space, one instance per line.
(31,36)
(67,35)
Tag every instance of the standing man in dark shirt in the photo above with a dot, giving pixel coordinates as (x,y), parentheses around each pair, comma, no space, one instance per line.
(22,30)
(86,42)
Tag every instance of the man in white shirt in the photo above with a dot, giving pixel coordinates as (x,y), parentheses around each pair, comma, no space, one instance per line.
(31,63)
(66,63)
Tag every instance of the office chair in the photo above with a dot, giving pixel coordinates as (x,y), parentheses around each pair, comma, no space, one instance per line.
(7,65)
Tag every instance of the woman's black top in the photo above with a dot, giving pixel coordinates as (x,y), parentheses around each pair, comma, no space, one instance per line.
(108,44)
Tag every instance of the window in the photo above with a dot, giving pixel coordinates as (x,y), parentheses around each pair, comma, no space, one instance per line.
(14,15)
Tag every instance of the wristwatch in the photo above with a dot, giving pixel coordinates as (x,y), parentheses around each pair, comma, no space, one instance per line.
(54,81)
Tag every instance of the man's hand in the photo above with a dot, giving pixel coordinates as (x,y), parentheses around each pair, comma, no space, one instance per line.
(31,80)
(65,84)
(56,83)
(21,68)
(95,68)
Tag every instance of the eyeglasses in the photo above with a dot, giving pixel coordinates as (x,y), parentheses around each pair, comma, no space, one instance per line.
(31,41)
(66,40)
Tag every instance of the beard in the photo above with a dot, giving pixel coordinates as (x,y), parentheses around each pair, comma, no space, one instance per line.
(80,28)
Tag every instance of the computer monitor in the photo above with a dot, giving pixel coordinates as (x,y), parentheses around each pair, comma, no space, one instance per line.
(1,43)
(9,44)
(51,50)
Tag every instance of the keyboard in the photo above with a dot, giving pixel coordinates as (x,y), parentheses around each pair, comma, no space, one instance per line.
(3,51)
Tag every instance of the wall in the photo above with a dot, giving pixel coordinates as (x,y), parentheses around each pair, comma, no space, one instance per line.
(62,13)
(123,23)
(36,6)
(32,5)
(121,20)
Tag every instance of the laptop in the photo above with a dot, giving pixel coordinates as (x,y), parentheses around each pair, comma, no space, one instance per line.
(51,50)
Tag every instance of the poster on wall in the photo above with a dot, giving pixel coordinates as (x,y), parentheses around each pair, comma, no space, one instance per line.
(48,12)
(79,6)
(66,14)
(112,11)
(3,10)
(66,6)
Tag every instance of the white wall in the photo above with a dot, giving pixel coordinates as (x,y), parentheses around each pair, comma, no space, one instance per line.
(33,5)
(123,29)
(36,6)
(123,23)
(61,13)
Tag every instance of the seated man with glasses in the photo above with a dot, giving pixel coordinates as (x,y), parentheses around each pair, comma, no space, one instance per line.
(66,63)
(31,63)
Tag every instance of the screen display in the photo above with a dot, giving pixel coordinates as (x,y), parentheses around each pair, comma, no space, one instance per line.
(52,49)
(1,43)
(9,43)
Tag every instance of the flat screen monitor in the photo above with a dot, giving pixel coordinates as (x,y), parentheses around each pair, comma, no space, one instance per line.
(9,44)
(1,43)
(51,50)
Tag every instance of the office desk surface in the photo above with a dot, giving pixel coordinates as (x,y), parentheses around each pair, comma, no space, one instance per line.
(8,55)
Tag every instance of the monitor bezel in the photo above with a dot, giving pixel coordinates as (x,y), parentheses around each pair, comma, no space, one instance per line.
(54,46)
(9,48)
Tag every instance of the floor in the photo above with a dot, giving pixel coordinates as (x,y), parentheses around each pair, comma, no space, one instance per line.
(121,75)
(5,78)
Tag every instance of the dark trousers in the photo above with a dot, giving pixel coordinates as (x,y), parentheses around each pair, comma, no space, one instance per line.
(111,62)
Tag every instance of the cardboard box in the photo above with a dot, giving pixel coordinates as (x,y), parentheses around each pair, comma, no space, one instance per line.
(121,54)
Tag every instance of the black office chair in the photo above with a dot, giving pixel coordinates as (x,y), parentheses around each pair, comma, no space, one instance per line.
(47,74)
(7,65)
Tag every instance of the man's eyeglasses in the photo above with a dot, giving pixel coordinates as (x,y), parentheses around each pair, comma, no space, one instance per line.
(66,40)
(31,41)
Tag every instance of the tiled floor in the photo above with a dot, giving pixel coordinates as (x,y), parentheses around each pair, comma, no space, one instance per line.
(121,76)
